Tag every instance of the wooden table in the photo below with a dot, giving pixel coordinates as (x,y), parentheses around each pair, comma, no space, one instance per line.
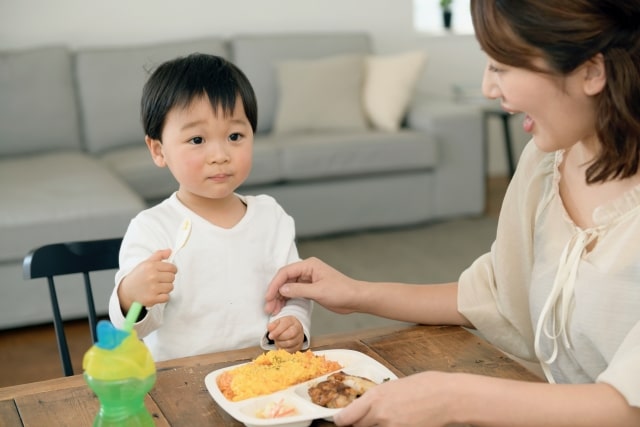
(180,398)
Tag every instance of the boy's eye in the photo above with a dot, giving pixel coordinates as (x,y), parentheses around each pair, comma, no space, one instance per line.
(196,140)
(235,137)
(494,69)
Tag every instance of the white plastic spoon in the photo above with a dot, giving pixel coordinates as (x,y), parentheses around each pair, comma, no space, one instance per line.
(181,238)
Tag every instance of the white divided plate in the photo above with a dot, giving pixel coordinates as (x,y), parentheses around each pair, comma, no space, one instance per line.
(245,411)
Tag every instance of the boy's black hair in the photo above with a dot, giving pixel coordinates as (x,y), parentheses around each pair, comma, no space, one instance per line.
(177,82)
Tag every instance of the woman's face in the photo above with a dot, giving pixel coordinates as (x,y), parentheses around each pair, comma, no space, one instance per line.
(558,111)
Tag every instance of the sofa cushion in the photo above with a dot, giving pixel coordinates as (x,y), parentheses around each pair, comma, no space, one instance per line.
(257,55)
(38,109)
(110,82)
(135,166)
(58,197)
(320,95)
(390,82)
(330,155)
(266,168)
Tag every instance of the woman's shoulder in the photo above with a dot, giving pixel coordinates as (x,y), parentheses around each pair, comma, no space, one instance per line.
(534,182)
(537,169)
(532,158)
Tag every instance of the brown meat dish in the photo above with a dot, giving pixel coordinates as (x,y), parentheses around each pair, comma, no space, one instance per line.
(339,389)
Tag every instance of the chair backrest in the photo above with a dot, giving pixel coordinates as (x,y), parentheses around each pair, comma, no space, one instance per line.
(81,257)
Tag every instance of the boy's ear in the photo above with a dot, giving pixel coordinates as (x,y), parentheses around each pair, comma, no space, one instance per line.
(155,148)
(595,75)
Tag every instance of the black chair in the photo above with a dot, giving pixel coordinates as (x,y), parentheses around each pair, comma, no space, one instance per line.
(71,258)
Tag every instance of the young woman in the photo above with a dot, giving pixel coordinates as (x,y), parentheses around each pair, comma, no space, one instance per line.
(561,284)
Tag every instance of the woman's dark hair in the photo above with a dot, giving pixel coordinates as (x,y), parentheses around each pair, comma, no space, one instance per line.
(178,82)
(566,34)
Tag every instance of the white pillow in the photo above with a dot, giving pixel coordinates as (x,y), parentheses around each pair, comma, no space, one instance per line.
(320,95)
(389,85)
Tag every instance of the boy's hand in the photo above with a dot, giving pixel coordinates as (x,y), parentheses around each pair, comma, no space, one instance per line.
(149,283)
(287,333)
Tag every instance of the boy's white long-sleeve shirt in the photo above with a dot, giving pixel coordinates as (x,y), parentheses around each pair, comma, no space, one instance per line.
(554,292)
(218,299)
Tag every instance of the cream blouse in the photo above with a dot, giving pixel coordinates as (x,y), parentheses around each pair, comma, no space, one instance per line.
(540,295)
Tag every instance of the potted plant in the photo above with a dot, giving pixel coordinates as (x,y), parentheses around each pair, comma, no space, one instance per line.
(445,5)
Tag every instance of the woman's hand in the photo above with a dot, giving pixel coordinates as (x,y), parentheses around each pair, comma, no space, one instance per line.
(422,399)
(312,279)
(437,399)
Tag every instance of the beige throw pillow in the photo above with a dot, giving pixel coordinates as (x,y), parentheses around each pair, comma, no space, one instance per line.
(389,85)
(320,95)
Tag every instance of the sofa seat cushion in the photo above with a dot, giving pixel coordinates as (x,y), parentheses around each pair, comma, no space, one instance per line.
(60,197)
(135,166)
(266,162)
(328,155)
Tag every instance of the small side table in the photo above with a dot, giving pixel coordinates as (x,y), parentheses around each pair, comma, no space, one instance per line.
(487,113)
(472,93)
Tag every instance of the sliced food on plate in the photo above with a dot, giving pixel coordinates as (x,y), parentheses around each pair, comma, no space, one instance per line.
(339,389)
(278,409)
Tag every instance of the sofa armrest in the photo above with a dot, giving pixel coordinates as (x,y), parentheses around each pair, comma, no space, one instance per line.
(461,171)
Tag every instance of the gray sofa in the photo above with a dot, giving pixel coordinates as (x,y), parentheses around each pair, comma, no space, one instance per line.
(73,164)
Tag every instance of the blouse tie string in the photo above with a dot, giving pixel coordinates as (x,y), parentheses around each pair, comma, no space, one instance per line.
(557,308)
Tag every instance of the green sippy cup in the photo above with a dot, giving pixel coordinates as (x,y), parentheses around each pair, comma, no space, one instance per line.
(120,371)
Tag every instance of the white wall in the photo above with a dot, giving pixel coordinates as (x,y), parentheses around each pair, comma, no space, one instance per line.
(89,22)
(79,23)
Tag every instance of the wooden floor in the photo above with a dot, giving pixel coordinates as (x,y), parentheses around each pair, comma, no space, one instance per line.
(31,354)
